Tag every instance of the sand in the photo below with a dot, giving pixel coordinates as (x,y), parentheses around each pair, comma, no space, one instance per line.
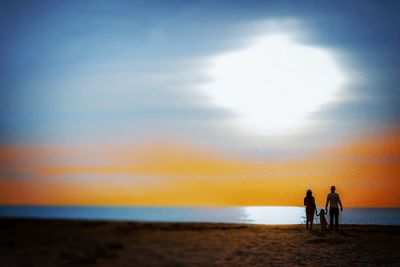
(26,242)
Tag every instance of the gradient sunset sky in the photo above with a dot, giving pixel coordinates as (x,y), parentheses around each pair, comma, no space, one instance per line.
(199,102)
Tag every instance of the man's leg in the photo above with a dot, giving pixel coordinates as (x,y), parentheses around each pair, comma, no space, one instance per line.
(331,218)
(337,219)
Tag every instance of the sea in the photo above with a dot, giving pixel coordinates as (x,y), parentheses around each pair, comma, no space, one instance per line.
(247,215)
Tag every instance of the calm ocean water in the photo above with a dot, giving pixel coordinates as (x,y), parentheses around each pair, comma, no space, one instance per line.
(252,215)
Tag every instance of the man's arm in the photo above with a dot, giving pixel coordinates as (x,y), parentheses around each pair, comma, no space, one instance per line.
(326,205)
(340,203)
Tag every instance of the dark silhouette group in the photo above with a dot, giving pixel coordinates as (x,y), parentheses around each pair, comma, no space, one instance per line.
(333,201)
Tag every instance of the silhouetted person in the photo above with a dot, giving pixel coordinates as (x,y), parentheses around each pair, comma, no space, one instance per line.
(309,202)
(322,220)
(334,200)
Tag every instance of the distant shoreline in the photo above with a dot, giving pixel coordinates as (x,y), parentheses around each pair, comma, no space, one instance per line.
(249,215)
(50,242)
(144,224)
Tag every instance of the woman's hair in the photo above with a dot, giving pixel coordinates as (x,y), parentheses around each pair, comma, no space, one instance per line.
(309,193)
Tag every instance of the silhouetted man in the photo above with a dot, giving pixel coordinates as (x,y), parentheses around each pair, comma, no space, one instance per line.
(334,200)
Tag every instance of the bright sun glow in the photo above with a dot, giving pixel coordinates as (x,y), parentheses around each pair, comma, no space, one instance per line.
(274,83)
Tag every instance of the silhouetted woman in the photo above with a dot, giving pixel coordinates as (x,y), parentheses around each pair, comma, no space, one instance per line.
(309,202)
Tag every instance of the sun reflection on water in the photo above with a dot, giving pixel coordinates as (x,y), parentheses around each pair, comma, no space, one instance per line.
(274,215)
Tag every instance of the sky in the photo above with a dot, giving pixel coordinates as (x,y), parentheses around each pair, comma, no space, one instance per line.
(199,102)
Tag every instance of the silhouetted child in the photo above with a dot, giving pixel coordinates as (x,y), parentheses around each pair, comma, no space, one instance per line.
(322,219)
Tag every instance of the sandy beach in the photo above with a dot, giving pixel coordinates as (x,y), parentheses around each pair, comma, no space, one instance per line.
(26,242)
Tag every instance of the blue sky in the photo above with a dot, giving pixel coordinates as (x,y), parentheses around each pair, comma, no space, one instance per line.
(127,71)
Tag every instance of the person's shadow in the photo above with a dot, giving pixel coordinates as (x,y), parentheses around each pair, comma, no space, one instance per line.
(319,234)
